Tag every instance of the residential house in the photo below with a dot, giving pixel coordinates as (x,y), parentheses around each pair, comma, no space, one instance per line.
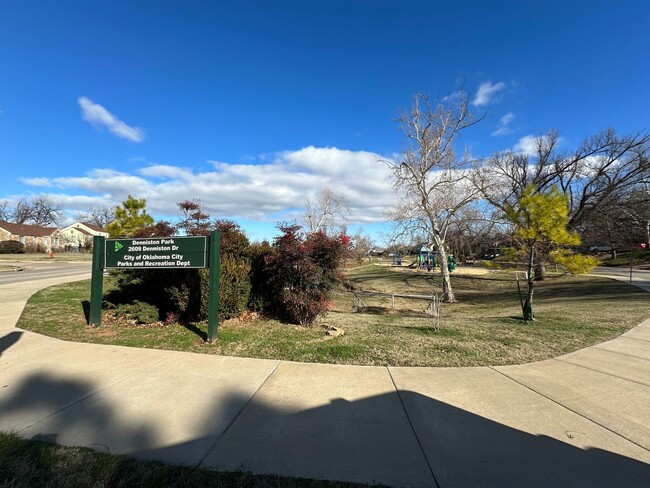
(80,235)
(34,237)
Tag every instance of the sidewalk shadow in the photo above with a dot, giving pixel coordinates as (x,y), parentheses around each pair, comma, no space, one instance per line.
(367,440)
(9,340)
(463,449)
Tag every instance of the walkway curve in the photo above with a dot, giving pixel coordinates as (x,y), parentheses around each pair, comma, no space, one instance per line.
(581,419)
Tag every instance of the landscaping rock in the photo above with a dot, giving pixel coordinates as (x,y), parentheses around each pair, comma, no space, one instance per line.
(330,330)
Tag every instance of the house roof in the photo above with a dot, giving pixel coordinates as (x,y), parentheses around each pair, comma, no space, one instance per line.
(82,231)
(94,227)
(27,230)
(79,226)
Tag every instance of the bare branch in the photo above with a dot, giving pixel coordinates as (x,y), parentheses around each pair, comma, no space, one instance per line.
(328,212)
(432,181)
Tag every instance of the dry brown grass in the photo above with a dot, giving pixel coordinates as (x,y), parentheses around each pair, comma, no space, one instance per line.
(483,328)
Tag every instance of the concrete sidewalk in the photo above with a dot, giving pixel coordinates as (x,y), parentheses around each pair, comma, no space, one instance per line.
(582,419)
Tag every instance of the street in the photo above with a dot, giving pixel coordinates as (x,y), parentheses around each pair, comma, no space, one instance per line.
(640,277)
(39,271)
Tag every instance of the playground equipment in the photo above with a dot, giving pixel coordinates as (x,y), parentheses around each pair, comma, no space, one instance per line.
(397,259)
(451,263)
(426,259)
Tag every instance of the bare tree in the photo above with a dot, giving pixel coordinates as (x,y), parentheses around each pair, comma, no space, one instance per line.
(432,181)
(362,245)
(597,177)
(621,225)
(101,216)
(472,230)
(22,212)
(329,211)
(5,211)
(45,211)
(38,210)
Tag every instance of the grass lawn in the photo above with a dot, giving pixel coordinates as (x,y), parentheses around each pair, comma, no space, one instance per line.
(41,256)
(633,258)
(26,463)
(483,328)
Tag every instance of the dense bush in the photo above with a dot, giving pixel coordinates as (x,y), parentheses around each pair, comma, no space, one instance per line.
(162,228)
(290,279)
(185,292)
(234,287)
(140,312)
(260,297)
(35,248)
(301,271)
(11,247)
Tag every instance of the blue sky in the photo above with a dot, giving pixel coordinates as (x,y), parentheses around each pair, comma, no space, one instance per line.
(254,106)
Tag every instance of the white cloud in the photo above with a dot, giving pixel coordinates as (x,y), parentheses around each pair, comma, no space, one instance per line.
(36,181)
(165,171)
(503,128)
(527,145)
(272,191)
(114,184)
(487,92)
(98,116)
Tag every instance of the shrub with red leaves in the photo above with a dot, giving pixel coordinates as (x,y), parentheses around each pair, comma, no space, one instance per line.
(301,271)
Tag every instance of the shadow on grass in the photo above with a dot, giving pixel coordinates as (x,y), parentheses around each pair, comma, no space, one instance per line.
(194,329)
(405,438)
(518,318)
(387,311)
(85,305)
(427,330)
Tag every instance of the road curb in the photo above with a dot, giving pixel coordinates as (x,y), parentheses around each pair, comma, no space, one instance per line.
(11,269)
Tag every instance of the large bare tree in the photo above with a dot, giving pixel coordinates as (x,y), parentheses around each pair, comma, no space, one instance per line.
(37,210)
(328,212)
(597,177)
(431,179)
(5,211)
(101,216)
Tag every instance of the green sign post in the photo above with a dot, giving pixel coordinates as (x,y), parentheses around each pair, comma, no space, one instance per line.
(157,253)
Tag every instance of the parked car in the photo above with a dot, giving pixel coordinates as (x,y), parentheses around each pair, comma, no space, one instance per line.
(600,248)
(492,254)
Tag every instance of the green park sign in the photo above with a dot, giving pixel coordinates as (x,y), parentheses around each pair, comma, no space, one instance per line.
(156,253)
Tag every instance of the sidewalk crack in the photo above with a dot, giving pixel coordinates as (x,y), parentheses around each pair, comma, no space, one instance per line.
(601,372)
(570,409)
(234,419)
(433,475)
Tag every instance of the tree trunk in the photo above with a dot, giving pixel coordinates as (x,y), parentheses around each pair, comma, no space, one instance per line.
(528,304)
(447,291)
(540,272)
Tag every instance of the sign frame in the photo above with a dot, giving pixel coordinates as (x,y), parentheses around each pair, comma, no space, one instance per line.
(129,243)
(212,257)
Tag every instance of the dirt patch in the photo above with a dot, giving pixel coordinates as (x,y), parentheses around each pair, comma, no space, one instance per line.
(460,270)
